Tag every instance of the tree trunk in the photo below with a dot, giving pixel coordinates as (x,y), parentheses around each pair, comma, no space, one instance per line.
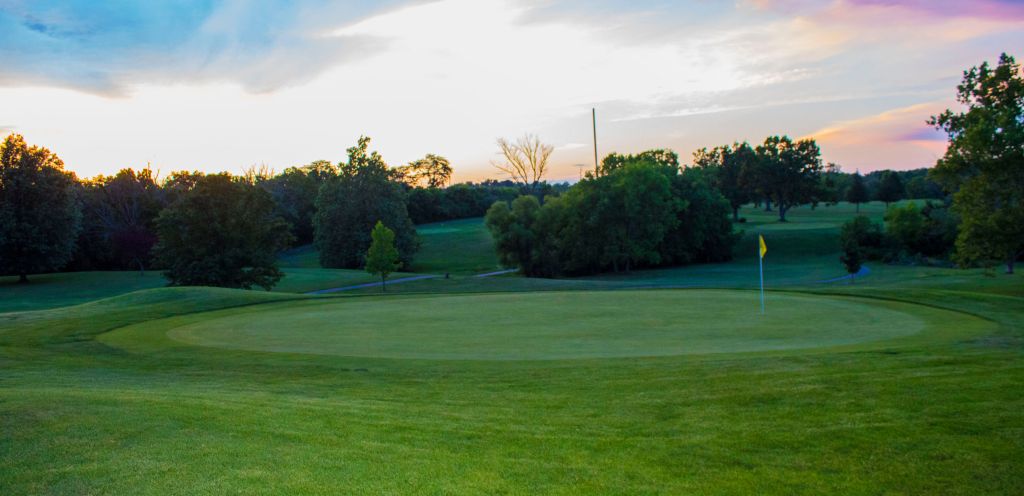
(383,284)
(782,213)
(1010,262)
(735,214)
(22,278)
(767,205)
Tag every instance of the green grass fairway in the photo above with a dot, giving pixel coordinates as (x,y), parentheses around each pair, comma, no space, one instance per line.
(460,247)
(457,247)
(564,325)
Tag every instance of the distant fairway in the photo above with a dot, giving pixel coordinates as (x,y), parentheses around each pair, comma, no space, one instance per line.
(564,325)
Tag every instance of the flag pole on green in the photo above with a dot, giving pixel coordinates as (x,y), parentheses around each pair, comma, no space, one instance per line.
(761,250)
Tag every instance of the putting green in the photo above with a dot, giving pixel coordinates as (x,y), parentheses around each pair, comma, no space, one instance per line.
(564,325)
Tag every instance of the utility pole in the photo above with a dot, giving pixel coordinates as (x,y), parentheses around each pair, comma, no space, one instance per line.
(593,120)
(581,167)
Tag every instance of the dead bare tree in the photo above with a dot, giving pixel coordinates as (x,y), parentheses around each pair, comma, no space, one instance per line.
(256,174)
(526,159)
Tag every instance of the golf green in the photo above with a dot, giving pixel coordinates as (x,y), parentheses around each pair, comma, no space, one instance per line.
(565,325)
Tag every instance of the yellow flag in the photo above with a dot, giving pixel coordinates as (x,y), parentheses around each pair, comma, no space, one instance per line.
(764,247)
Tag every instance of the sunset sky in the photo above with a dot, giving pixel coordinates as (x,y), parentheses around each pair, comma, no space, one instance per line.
(222,85)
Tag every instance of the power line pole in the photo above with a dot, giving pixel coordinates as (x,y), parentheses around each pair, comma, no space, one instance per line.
(581,167)
(593,120)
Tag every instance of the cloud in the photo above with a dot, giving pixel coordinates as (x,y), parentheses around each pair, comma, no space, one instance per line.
(108,47)
(991,9)
(898,138)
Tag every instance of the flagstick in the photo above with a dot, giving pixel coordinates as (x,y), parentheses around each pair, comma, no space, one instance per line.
(760,264)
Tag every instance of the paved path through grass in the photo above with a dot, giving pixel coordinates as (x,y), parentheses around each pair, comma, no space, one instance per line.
(373,284)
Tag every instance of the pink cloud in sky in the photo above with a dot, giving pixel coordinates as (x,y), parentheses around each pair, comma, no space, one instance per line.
(993,9)
(894,139)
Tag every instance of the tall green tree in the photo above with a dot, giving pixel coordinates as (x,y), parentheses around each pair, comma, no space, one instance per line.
(382,256)
(659,156)
(858,192)
(432,171)
(365,191)
(726,166)
(295,191)
(789,172)
(119,221)
(890,188)
(984,163)
(221,232)
(40,214)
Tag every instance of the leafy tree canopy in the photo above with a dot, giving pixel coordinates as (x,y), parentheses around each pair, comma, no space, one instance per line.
(348,207)
(858,191)
(890,188)
(789,173)
(39,209)
(221,232)
(432,171)
(984,162)
(382,256)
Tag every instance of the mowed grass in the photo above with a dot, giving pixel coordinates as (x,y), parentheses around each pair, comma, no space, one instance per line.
(560,326)
(907,382)
(457,247)
(86,410)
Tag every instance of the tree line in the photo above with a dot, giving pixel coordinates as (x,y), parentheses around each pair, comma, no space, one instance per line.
(221,229)
(645,210)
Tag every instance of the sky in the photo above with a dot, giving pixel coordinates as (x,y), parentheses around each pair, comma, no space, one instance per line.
(218,85)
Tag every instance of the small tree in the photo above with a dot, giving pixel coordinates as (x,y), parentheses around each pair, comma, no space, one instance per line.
(382,257)
(890,188)
(852,257)
(855,237)
(40,215)
(858,192)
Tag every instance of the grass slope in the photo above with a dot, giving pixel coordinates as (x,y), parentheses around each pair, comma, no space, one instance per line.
(457,247)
